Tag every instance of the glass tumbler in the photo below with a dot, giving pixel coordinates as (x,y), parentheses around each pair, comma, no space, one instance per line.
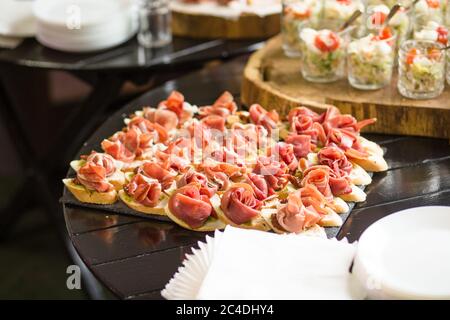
(370,61)
(426,11)
(421,69)
(323,52)
(294,15)
(154,23)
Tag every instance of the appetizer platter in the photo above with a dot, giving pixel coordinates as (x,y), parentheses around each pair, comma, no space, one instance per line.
(231,19)
(390,63)
(211,166)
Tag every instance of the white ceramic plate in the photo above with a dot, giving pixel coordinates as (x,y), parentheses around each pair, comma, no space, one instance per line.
(16,18)
(406,255)
(96,36)
(91,13)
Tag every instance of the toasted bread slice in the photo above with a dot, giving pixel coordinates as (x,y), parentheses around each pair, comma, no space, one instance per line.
(357,195)
(258,223)
(371,147)
(359,176)
(269,216)
(374,163)
(339,205)
(332,219)
(88,196)
(210,225)
(117,179)
(130,202)
(77,164)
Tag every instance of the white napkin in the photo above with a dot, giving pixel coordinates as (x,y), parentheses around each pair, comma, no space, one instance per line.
(16,18)
(251,264)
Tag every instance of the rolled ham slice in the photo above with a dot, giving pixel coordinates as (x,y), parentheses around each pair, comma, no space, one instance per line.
(191,175)
(223,106)
(261,116)
(93,177)
(302,210)
(190,206)
(143,190)
(239,204)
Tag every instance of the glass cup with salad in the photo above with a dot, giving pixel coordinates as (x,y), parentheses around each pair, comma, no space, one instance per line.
(323,51)
(421,69)
(426,11)
(375,17)
(295,14)
(370,60)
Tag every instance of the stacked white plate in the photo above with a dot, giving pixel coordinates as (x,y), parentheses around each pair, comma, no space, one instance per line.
(84,25)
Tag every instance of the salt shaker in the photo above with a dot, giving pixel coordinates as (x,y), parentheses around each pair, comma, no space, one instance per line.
(154,23)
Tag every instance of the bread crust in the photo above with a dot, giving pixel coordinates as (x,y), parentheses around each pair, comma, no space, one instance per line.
(158,210)
(88,196)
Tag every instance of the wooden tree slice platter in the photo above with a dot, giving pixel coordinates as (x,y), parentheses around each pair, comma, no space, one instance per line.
(247,26)
(274,81)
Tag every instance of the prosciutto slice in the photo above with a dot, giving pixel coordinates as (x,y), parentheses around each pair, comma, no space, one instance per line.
(303,111)
(336,159)
(156,171)
(239,204)
(285,152)
(190,176)
(302,144)
(261,116)
(223,106)
(214,122)
(348,142)
(190,206)
(117,150)
(164,117)
(259,186)
(300,211)
(93,177)
(319,176)
(334,119)
(174,103)
(339,181)
(305,125)
(157,132)
(104,160)
(274,172)
(143,190)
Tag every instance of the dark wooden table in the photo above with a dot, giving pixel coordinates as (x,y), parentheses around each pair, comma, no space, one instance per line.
(135,257)
(105,71)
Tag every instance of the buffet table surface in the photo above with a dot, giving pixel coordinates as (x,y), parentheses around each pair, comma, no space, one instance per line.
(135,257)
(105,72)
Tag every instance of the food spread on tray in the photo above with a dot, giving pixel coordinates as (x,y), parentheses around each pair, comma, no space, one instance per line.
(370,61)
(231,9)
(206,167)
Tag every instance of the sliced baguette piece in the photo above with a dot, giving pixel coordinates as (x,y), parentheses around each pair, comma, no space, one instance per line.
(117,179)
(332,219)
(88,196)
(77,164)
(339,205)
(130,202)
(258,223)
(371,147)
(269,214)
(374,163)
(357,195)
(359,176)
(210,225)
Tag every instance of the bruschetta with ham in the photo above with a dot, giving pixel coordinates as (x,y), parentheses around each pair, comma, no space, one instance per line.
(209,166)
